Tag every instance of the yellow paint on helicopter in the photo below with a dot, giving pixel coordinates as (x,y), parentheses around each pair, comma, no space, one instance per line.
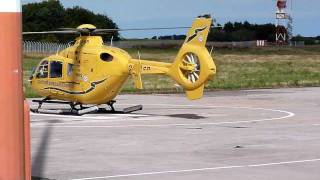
(86,26)
(91,73)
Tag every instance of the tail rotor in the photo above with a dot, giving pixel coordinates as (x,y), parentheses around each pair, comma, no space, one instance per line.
(194,66)
(192,60)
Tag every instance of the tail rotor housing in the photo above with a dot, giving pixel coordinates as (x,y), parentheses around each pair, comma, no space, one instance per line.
(194,66)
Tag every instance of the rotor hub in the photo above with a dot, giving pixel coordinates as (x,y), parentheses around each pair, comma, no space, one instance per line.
(190,67)
(87,26)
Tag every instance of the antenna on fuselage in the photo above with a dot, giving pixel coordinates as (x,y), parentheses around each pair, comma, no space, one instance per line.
(58,49)
(111,41)
(211,50)
(139,55)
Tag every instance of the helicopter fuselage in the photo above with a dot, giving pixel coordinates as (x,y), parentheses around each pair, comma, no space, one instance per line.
(87,72)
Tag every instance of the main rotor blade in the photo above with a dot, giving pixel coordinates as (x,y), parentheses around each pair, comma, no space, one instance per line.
(77,30)
(104,33)
(139,29)
(51,32)
(101,31)
(146,29)
(69,29)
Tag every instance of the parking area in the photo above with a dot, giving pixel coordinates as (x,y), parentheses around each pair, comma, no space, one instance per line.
(249,134)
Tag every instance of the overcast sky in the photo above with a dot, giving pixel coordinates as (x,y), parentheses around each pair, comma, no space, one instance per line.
(169,13)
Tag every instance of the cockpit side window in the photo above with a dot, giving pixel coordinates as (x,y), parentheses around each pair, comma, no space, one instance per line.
(32,73)
(55,69)
(43,70)
(70,69)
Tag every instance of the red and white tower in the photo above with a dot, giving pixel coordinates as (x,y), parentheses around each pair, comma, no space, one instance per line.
(283,22)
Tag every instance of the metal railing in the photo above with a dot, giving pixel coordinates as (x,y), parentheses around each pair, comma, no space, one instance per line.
(33,47)
(48,48)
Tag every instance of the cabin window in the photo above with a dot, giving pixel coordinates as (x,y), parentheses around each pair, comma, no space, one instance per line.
(106,57)
(55,69)
(70,69)
(43,70)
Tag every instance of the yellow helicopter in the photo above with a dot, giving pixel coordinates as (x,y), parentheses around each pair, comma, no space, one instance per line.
(90,73)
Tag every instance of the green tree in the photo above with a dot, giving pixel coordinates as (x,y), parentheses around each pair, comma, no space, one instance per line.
(76,16)
(245,31)
(51,15)
(43,16)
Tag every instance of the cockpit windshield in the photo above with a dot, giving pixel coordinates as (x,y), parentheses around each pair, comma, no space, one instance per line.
(43,70)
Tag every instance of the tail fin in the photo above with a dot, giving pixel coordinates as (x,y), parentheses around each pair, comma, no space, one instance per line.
(194,66)
(198,33)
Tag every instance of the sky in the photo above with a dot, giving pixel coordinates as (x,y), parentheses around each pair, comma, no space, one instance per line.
(172,13)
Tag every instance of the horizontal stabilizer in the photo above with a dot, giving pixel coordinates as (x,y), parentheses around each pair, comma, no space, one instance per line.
(136,75)
(138,81)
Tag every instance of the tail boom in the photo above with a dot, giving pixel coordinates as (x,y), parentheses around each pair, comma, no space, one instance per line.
(192,68)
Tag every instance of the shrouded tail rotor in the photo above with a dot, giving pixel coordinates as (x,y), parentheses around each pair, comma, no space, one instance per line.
(194,66)
(193,74)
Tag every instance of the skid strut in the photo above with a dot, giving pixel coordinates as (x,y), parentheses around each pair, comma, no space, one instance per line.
(80,109)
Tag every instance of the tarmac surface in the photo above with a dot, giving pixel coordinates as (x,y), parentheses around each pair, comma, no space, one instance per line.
(227,135)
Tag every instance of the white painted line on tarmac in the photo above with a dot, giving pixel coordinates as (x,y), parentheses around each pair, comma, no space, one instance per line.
(202,169)
(79,120)
(130,115)
(289,114)
(93,121)
(111,116)
(71,119)
(76,120)
(68,117)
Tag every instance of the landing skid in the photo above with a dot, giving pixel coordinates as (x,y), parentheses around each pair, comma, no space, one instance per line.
(79,109)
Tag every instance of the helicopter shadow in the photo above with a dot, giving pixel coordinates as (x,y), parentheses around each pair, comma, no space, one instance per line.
(181,116)
(39,161)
